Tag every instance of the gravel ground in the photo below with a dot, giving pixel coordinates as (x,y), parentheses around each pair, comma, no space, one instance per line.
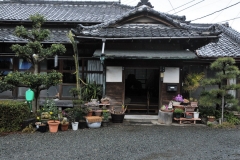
(125,142)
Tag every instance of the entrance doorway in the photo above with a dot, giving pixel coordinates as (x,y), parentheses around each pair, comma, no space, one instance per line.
(142,91)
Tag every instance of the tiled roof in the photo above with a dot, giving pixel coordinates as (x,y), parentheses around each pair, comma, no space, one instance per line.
(228,44)
(62,10)
(57,36)
(138,30)
(178,27)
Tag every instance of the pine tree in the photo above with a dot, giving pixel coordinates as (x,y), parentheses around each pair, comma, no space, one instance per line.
(35,52)
(225,70)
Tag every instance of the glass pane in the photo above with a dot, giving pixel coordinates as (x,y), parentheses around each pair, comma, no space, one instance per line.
(69,78)
(50,64)
(23,64)
(66,89)
(4,73)
(69,65)
(21,91)
(51,92)
(6,94)
(6,63)
(43,65)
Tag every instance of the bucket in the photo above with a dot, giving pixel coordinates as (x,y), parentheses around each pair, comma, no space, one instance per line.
(75,126)
(196,114)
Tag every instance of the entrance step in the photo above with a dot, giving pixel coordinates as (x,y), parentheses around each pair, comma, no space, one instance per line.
(140,118)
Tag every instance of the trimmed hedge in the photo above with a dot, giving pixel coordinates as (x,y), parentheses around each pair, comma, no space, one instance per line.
(12,114)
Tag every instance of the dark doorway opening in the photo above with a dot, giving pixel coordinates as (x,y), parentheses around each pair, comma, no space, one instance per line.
(142,91)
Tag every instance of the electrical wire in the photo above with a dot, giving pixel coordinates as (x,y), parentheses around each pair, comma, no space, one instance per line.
(190,6)
(229,20)
(215,12)
(220,12)
(181,6)
(172,6)
(234,19)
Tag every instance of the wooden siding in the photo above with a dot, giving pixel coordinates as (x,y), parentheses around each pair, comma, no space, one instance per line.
(115,91)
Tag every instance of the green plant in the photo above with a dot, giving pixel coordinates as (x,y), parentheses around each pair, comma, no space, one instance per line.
(225,69)
(64,121)
(122,111)
(178,110)
(192,82)
(34,52)
(50,107)
(12,114)
(231,118)
(91,91)
(105,115)
(29,129)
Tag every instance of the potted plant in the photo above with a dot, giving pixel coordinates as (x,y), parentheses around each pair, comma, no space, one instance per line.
(193,102)
(178,112)
(50,113)
(64,124)
(196,114)
(105,118)
(105,100)
(71,114)
(41,127)
(94,121)
(91,91)
(177,100)
(118,116)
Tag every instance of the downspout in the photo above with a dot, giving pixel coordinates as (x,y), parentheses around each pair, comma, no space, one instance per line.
(102,58)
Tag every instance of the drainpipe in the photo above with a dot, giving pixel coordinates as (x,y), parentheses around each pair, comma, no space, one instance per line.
(102,58)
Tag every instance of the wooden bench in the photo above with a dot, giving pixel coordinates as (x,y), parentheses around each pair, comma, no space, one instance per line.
(142,107)
(187,119)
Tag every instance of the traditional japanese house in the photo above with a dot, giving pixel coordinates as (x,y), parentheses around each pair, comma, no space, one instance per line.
(138,54)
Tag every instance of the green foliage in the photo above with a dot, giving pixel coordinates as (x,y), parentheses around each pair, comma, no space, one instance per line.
(105,115)
(91,91)
(224,125)
(178,110)
(4,86)
(77,113)
(50,107)
(225,69)
(35,52)
(209,111)
(74,92)
(231,118)
(12,114)
(192,82)
(29,129)
(36,82)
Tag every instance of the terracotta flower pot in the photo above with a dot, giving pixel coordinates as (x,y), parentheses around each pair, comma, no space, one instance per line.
(53,125)
(64,127)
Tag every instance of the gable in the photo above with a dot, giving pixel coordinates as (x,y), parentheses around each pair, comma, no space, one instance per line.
(143,18)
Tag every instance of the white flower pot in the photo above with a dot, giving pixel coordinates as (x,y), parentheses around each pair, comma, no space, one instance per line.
(195,114)
(75,126)
(174,103)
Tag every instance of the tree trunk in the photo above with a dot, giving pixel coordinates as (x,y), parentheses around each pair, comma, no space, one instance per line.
(222,107)
(36,92)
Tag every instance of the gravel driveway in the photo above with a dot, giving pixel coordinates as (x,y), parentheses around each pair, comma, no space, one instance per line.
(125,142)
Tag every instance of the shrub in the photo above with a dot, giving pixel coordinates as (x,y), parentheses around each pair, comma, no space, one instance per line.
(12,114)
